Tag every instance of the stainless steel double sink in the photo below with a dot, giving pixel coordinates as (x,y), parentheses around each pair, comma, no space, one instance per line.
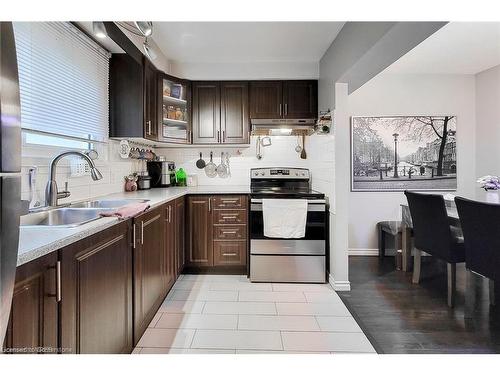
(75,214)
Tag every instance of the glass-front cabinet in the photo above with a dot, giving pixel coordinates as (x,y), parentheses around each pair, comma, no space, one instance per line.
(175,114)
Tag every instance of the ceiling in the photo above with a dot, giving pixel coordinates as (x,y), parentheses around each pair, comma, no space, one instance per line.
(457,48)
(245,41)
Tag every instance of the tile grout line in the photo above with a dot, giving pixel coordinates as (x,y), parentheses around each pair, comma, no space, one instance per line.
(281,337)
(192,339)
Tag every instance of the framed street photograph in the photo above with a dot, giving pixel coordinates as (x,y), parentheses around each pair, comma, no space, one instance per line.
(396,153)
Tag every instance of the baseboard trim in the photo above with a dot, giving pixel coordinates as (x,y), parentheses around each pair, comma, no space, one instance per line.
(363,252)
(340,286)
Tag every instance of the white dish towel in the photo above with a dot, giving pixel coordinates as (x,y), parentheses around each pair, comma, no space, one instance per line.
(284,218)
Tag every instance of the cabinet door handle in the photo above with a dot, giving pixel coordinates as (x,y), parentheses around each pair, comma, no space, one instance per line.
(58,282)
(133,236)
(223,136)
(169,214)
(229,254)
(229,232)
(280,109)
(209,205)
(229,217)
(148,123)
(286,109)
(142,232)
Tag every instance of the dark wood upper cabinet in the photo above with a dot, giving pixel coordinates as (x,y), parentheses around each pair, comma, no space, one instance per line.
(150,268)
(266,99)
(133,98)
(300,99)
(151,93)
(234,112)
(283,99)
(96,303)
(206,112)
(199,237)
(33,320)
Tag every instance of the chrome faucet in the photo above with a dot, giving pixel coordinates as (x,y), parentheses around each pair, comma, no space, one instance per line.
(52,195)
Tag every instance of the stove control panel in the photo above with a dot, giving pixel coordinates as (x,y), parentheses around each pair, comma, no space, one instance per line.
(280,173)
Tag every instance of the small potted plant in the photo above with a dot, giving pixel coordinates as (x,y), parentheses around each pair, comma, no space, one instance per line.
(491,184)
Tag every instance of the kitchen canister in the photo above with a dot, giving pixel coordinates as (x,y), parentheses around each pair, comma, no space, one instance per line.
(192,180)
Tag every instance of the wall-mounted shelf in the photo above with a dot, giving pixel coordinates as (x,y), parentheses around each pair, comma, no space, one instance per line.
(174,122)
(172,100)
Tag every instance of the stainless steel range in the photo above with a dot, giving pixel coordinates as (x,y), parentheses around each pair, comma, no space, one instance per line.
(287,259)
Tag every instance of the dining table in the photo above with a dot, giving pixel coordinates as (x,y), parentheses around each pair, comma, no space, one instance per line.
(451,209)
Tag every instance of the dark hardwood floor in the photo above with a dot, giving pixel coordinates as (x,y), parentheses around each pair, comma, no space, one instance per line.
(400,317)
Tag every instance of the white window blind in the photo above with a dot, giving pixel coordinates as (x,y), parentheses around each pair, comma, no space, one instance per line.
(63,81)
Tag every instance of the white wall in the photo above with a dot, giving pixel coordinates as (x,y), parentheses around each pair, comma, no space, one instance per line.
(488,122)
(411,95)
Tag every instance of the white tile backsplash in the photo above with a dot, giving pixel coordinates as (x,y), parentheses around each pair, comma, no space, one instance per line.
(111,166)
(320,160)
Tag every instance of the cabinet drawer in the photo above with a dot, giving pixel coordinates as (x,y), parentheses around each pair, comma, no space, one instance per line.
(230,217)
(228,232)
(230,253)
(229,201)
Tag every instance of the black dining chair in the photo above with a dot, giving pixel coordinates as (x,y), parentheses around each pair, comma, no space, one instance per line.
(481,227)
(434,235)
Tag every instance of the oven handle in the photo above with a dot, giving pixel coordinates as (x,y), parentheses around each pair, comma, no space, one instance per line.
(317,205)
(309,201)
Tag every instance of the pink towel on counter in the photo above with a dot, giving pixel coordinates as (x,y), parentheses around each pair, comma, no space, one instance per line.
(127,211)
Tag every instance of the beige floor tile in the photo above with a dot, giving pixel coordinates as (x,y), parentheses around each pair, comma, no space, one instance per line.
(277,323)
(320,309)
(278,287)
(189,307)
(257,308)
(327,341)
(202,295)
(242,285)
(198,321)
(185,351)
(212,278)
(155,319)
(256,296)
(245,351)
(323,297)
(166,338)
(191,285)
(338,324)
(219,339)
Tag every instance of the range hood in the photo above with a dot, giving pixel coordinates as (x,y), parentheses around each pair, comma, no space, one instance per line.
(282,126)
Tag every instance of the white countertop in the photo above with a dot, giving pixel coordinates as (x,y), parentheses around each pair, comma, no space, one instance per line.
(35,242)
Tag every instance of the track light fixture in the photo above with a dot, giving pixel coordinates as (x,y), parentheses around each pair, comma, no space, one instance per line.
(99,29)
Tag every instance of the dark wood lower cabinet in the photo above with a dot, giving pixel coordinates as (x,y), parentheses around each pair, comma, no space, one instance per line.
(112,283)
(180,235)
(96,305)
(216,232)
(33,322)
(150,268)
(200,235)
(169,247)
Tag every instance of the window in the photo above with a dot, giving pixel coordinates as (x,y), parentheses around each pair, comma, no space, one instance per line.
(63,82)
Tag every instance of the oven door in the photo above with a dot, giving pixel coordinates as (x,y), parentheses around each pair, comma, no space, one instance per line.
(315,224)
